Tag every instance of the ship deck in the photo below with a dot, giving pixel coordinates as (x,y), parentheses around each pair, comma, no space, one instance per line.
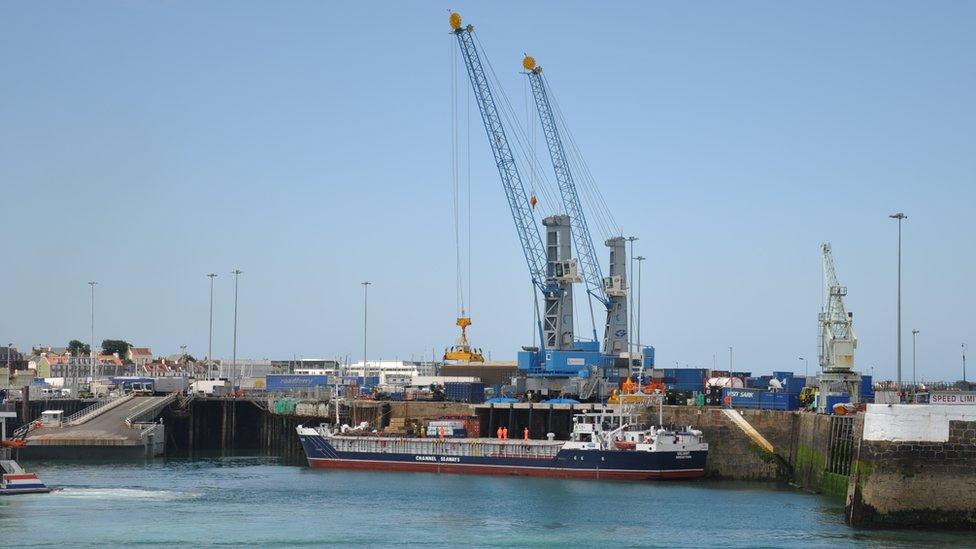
(542,449)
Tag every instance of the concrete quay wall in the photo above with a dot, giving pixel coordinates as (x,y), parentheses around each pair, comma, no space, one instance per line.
(731,454)
(914,467)
(802,443)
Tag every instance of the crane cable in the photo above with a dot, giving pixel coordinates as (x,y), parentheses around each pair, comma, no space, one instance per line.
(528,121)
(549,190)
(468,166)
(599,206)
(455,180)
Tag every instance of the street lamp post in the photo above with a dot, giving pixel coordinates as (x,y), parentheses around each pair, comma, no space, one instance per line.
(91,350)
(806,366)
(640,263)
(914,379)
(899,216)
(365,307)
(630,299)
(730,360)
(233,378)
(211,276)
(964,347)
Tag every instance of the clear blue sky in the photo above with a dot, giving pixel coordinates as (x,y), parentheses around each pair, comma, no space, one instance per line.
(145,144)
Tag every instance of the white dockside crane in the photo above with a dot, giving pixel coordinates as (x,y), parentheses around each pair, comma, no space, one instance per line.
(837,338)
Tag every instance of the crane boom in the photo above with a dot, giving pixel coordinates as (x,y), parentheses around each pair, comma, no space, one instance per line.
(615,335)
(585,251)
(837,338)
(551,272)
(518,202)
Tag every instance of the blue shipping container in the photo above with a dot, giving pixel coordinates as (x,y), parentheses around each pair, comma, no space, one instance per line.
(867,387)
(836,399)
(293,382)
(648,357)
(795,385)
(458,391)
(761,400)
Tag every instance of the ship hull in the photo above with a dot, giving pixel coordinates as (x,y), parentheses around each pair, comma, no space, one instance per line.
(581,464)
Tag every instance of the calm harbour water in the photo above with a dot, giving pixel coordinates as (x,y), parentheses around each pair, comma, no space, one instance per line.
(261,501)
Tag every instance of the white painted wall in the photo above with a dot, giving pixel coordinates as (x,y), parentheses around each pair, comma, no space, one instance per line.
(913,422)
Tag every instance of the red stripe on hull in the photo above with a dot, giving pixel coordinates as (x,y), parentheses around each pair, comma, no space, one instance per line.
(22,476)
(501,470)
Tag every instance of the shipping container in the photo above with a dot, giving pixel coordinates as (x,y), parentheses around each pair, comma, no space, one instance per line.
(450,428)
(171,384)
(473,393)
(760,399)
(867,387)
(294,382)
(842,398)
(794,385)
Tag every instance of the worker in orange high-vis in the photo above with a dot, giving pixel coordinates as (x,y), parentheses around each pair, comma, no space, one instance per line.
(504,432)
(525,433)
(499,433)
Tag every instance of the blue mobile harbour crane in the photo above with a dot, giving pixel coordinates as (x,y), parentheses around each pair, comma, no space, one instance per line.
(561,364)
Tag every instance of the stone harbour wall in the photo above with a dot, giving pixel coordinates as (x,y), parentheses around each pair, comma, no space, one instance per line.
(731,454)
(930,484)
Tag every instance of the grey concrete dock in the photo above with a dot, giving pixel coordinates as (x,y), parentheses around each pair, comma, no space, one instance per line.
(114,431)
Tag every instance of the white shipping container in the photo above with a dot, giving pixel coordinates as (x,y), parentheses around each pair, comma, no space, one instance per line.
(426,381)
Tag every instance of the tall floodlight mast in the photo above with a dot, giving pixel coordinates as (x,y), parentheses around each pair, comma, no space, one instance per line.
(614,339)
(557,321)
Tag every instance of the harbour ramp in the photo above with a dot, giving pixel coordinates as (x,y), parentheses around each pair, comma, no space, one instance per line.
(122,428)
(748,429)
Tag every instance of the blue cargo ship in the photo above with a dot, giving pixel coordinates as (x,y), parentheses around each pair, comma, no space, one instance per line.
(603,445)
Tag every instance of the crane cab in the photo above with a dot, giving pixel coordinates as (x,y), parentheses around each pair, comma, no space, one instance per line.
(614,286)
(566,270)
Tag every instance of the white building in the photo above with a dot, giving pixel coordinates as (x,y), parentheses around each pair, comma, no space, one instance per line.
(397,370)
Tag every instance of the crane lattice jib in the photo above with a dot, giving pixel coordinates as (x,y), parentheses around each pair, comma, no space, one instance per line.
(518,202)
(585,251)
(834,309)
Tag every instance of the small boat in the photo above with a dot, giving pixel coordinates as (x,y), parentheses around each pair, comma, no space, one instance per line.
(15,480)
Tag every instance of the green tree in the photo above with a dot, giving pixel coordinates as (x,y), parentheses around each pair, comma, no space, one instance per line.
(77,348)
(110,346)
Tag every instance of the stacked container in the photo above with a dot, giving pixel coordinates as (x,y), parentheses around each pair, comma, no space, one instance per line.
(458,391)
(685,379)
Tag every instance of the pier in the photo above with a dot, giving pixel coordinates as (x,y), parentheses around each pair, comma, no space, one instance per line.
(119,428)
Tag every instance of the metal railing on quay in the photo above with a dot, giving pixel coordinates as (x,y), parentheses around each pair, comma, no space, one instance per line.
(131,418)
